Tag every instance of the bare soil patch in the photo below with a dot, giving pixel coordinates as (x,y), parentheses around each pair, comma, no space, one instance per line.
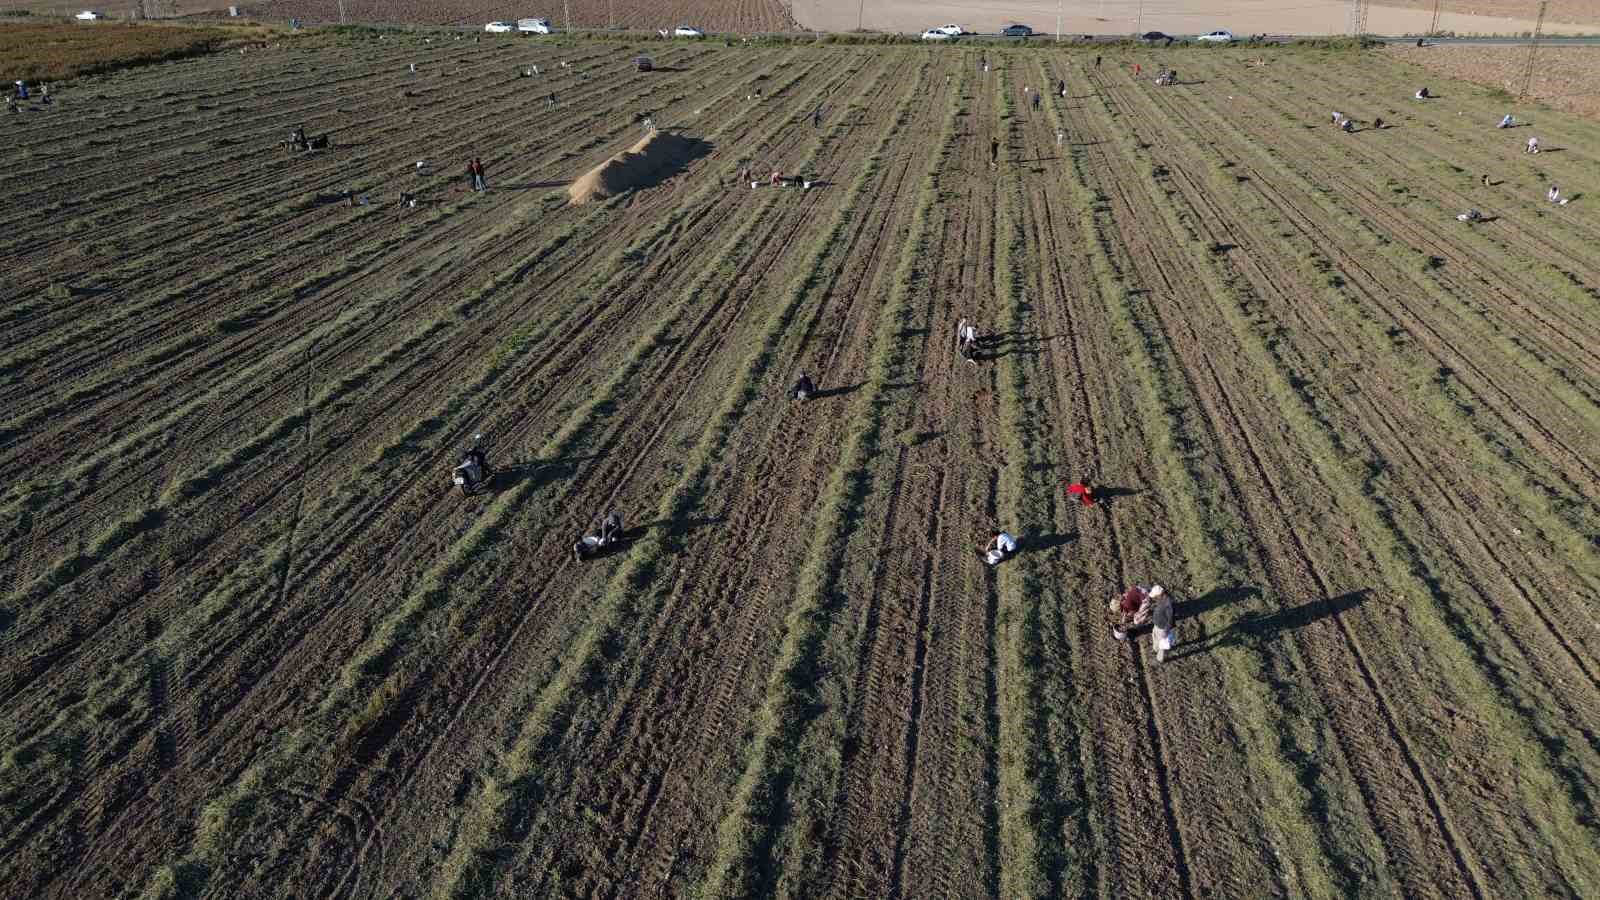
(1563,77)
(35,51)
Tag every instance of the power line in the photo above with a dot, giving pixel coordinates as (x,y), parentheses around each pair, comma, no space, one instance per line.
(1533,49)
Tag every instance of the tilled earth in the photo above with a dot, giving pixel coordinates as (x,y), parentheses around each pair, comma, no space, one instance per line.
(255,644)
(727,16)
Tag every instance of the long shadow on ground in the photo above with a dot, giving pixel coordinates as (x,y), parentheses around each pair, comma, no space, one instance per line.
(1260,627)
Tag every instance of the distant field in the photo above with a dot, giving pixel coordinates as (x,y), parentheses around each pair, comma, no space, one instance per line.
(1315,17)
(253,644)
(736,16)
(48,51)
(117,9)
(1564,77)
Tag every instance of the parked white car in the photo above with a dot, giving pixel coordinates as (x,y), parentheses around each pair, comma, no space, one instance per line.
(1217,37)
(687,31)
(534,26)
(935,34)
(88,15)
(952,30)
(500,27)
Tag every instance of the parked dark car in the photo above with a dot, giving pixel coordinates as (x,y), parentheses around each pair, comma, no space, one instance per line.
(1021,31)
(1153,36)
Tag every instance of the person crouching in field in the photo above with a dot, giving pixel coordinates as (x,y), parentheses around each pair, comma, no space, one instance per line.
(1137,607)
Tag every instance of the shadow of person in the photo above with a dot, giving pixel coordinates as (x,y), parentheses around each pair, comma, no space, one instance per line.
(1217,597)
(840,391)
(1107,493)
(1038,543)
(1261,627)
(674,526)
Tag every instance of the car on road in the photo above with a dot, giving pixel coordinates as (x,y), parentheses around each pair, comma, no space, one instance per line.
(500,27)
(952,30)
(1021,31)
(1216,37)
(687,31)
(1150,37)
(936,34)
(534,26)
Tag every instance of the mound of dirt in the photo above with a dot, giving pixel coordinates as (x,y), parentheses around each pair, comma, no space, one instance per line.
(658,155)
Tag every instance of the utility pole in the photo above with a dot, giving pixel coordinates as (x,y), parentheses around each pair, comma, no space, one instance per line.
(860,12)
(1533,48)
(1433,29)
(1358,17)
(1058,21)
(611,14)
(341,12)
(566,8)
(1138,19)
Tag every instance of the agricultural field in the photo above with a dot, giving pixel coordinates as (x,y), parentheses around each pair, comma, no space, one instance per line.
(255,644)
(1562,76)
(731,16)
(50,51)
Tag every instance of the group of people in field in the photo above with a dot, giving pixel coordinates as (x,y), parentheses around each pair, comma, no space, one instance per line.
(1471,216)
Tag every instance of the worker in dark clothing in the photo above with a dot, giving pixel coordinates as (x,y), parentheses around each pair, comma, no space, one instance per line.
(610,528)
(804,387)
(1061,87)
(299,136)
(994,153)
(608,531)
(816,117)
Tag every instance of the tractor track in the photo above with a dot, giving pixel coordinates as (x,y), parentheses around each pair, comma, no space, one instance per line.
(1228,429)
(777,237)
(409,478)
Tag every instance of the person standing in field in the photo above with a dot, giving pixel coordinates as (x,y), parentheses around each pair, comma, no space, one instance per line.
(480,179)
(1035,101)
(994,153)
(1162,634)
(1097,62)
(803,388)
(1136,70)
(966,339)
(1061,87)
(816,117)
